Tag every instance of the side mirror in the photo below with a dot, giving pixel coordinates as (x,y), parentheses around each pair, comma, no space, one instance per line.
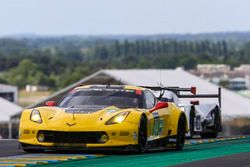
(193,90)
(50,103)
(159,105)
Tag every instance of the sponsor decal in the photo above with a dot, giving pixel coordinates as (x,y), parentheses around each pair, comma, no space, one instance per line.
(135,136)
(138,92)
(155,114)
(158,126)
(172,140)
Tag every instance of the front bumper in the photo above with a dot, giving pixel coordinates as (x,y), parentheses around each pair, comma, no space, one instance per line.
(118,136)
(77,148)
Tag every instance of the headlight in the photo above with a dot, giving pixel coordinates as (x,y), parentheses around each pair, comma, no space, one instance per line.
(35,116)
(119,118)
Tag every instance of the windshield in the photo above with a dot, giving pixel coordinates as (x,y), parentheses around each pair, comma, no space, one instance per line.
(103,98)
(168,96)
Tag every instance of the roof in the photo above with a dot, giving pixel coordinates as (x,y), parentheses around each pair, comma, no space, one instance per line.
(131,87)
(232,103)
(7,88)
(7,109)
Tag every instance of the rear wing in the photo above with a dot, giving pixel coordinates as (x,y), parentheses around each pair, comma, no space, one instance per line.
(192,90)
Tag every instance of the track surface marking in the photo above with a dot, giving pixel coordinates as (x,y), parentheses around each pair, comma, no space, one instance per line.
(38,159)
(192,152)
(239,160)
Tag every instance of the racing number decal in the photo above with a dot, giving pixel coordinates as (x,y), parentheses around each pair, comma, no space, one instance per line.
(158,126)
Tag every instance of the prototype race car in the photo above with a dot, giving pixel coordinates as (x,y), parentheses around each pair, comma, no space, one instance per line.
(100,117)
(204,119)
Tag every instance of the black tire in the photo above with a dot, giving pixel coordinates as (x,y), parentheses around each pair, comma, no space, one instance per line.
(209,135)
(217,119)
(142,134)
(191,123)
(181,132)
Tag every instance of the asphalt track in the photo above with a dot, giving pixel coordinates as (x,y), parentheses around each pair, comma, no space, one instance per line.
(229,152)
(241,160)
(9,147)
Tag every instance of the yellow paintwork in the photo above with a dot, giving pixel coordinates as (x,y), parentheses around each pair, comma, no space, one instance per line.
(56,119)
(131,87)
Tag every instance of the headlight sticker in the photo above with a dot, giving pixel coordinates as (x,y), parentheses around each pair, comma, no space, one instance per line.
(119,118)
(135,136)
(35,116)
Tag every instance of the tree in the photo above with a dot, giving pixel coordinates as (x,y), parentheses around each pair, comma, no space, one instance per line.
(27,72)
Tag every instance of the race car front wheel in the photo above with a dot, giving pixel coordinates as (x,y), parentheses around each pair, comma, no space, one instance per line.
(181,131)
(142,134)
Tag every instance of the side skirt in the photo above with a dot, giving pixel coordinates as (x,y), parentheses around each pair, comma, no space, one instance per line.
(162,143)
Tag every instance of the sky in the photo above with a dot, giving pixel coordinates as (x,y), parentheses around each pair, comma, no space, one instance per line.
(117,17)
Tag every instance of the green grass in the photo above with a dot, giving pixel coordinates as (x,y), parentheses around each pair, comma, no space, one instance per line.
(24,94)
(28,98)
(245,93)
(167,158)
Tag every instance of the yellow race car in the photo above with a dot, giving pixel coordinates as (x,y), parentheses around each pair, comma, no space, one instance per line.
(104,117)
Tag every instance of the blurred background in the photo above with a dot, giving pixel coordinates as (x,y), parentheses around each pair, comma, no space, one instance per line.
(47,46)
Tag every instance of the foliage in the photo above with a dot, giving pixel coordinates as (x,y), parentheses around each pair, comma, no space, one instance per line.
(58,62)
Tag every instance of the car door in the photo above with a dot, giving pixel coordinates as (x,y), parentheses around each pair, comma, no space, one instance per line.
(157,126)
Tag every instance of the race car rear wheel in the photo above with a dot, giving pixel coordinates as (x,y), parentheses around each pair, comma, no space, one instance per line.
(181,131)
(142,134)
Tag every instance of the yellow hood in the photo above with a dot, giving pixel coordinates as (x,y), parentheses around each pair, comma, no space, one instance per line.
(55,118)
